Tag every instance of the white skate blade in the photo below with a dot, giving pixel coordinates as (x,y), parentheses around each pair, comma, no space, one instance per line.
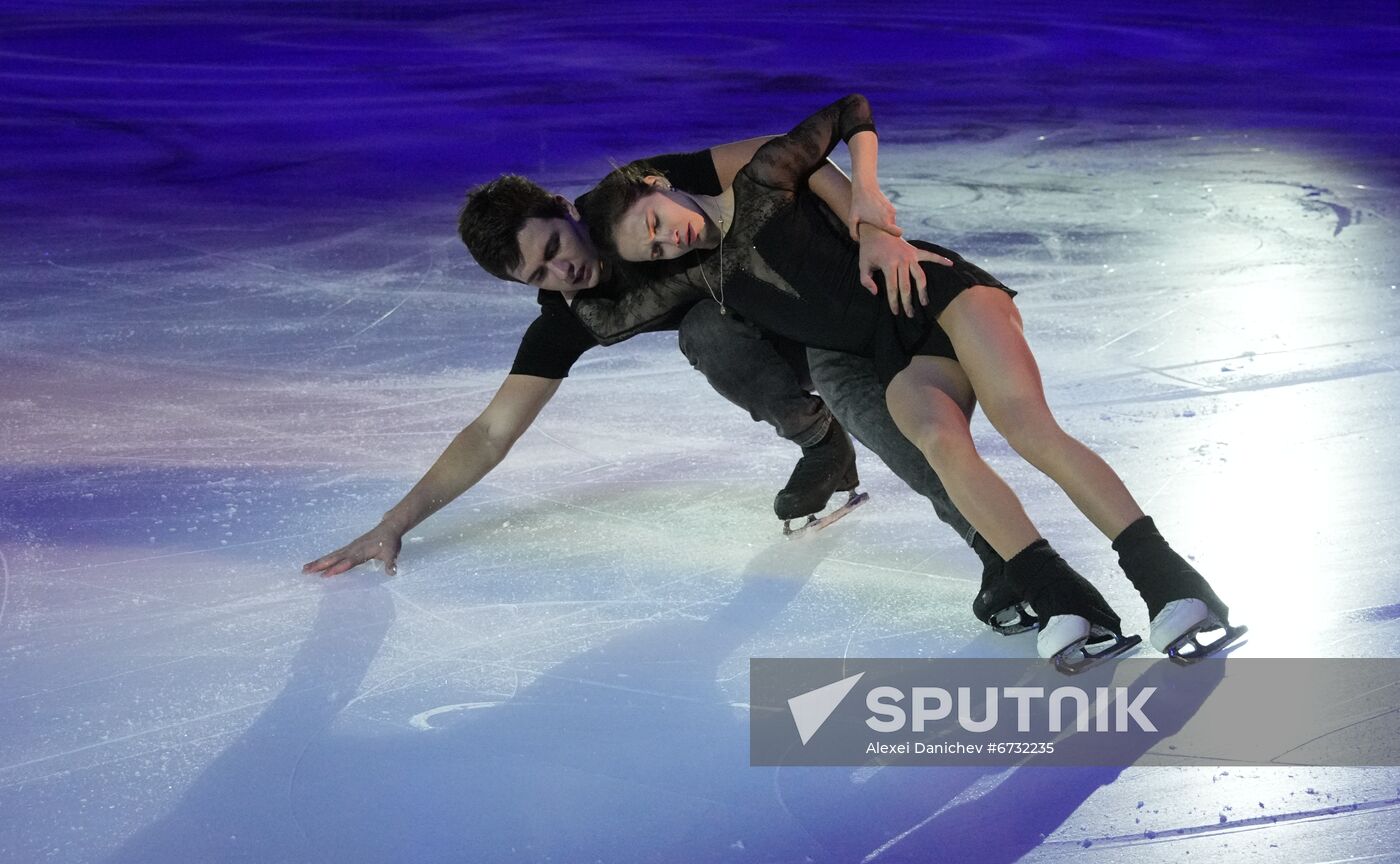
(1178,619)
(1061,633)
(1075,655)
(815,523)
(1177,629)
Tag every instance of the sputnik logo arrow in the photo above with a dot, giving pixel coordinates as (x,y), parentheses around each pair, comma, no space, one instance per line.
(811,709)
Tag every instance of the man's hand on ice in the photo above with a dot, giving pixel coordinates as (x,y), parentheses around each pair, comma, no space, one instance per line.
(380,543)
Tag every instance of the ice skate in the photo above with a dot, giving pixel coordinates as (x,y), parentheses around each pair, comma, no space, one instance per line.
(1078,629)
(1180,602)
(827,467)
(996,604)
(816,523)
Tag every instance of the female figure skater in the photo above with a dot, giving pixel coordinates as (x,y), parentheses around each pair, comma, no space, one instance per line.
(780,261)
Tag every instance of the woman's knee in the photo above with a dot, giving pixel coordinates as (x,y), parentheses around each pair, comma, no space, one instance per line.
(945,445)
(941,433)
(1028,426)
(930,402)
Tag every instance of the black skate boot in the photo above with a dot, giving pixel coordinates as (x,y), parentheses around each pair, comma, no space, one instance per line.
(826,467)
(1179,601)
(1073,614)
(996,605)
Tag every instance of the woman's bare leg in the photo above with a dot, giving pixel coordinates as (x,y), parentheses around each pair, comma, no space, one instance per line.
(931,401)
(931,404)
(985,328)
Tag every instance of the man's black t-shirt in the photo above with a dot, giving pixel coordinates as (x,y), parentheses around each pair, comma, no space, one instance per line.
(556,339)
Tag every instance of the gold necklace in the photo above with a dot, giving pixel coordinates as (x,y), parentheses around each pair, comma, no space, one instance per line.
(720,297)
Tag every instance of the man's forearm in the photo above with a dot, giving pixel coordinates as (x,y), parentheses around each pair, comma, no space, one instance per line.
(476,450)
(471,456)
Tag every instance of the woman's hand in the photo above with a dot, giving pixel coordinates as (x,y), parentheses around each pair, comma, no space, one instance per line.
(899,262)
(869,206)
(381,542)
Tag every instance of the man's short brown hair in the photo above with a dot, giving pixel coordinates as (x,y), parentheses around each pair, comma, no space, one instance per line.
(491,219)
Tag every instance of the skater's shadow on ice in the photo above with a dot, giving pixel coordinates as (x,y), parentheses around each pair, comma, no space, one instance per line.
(238,808)
(630,751)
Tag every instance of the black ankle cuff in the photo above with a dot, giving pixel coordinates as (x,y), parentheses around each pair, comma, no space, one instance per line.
(986,553)
(1144,529)
(1023,570)
(1035,550)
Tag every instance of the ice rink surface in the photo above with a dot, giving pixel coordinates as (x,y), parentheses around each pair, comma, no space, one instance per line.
(236,325)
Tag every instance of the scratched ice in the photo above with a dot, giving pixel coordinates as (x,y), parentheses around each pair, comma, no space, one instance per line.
(236,325)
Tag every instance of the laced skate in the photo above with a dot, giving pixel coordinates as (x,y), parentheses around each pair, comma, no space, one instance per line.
(827,467)
(1180,601)
(816,523)
(1074,618)
(1072,644)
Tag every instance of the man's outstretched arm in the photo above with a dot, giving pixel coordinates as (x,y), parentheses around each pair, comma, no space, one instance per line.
(472,455)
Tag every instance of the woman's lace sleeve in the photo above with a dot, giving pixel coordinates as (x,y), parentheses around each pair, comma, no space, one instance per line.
(642,306)
(786,161)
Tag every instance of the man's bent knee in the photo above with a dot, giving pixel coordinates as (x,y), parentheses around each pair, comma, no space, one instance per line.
(706,335)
